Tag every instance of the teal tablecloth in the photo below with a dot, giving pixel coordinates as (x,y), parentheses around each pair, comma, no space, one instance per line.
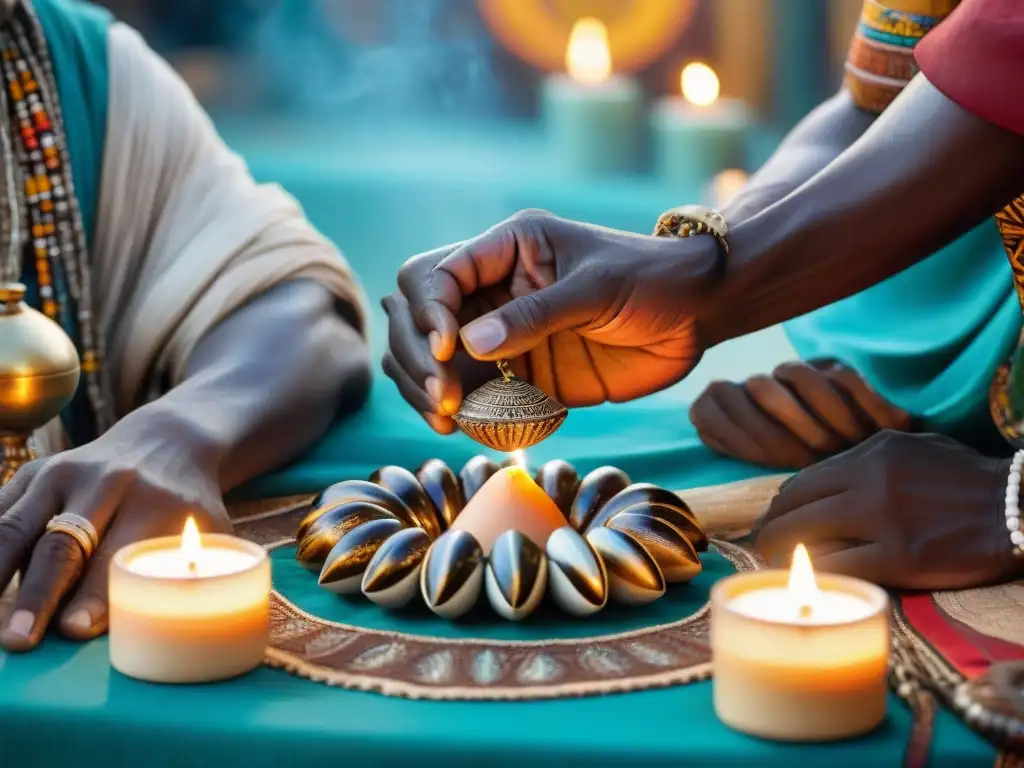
(63,705)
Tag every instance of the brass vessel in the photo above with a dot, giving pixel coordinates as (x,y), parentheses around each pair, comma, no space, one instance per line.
(508,414)
(39,373)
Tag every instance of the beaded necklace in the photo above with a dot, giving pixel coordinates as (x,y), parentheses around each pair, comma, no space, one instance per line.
(39,160)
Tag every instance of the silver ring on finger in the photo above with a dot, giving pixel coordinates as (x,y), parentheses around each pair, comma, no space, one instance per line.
(78,528)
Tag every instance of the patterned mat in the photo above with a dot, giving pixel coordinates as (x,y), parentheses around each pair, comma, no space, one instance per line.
(963,650)
(419,666)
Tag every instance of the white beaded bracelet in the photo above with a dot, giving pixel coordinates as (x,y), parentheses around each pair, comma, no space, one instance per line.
(1013,504)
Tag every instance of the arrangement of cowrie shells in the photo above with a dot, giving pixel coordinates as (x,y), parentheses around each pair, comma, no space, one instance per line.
(390,538)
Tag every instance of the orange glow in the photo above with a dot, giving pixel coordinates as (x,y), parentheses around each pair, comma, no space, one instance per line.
(588,57)
(639,33)
(699,84)
(802,586)
(191,546)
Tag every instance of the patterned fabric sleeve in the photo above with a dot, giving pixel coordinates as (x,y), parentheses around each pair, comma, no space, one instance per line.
(881,59)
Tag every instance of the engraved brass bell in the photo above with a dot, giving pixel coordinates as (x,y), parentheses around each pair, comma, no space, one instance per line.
(39,372)
(509,414)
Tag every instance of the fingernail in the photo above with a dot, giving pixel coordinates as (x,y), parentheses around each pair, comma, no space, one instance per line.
(434,388)
(435,344)
(21,623)
(80,620)
(483,336)
(438,423)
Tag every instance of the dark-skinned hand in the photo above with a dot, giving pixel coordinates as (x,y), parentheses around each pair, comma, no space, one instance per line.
(586,313)
(900,510)
(801,413)
(143,478)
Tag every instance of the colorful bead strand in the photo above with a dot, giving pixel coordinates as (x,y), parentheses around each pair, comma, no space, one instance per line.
(56,234)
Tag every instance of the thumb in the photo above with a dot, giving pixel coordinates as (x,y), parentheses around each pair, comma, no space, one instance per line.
(523,323)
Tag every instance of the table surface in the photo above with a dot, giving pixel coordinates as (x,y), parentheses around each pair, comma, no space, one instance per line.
(64,703)
(65,698)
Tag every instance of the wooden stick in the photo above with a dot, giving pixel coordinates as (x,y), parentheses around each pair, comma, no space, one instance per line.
(729,511)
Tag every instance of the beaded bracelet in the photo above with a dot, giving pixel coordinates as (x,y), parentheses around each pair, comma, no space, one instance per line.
(1013,504)
(881,59)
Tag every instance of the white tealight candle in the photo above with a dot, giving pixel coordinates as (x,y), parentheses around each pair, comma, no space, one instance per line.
(776,604)
(697,134)
(189,609)
(798,657)
(593,117)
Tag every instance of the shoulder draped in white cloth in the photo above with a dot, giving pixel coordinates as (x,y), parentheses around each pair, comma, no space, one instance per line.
(184,235)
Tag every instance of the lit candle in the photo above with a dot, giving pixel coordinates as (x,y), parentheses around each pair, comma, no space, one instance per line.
(189,609)
(510,499)
(593,117)
(697,134)
(799,658)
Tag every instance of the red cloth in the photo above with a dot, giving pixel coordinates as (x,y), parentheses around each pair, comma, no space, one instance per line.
(976,58)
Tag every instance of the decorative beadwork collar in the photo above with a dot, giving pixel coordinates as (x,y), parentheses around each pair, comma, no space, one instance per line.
(39,192)
(7,7)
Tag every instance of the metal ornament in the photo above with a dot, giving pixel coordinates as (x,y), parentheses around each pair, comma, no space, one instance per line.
(668,545)
(517,576)
(39,371)
(404,484)
(657,502)
(343,570)
(621,542)
(558,479)
(595,491)
(474,474)
(442,486)
(691,221)
(634,577)
(577,577)
(508,414)
(452,574)
(347,491)
(392,579)
(324,534)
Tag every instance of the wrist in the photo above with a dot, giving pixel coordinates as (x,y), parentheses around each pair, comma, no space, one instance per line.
(173,425)
(701,264)
(693,241)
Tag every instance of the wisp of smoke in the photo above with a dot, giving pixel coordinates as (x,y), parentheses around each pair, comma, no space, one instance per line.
(420,63)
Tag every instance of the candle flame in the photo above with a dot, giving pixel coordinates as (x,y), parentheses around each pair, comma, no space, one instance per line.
(191,546)
(802,586)
(588,57)
(519,458)
(699,84)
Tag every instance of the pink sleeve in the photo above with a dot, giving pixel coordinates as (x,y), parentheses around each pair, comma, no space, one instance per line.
(976,58)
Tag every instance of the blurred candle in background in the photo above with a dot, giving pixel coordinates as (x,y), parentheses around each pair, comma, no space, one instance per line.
(698,134)
(725,186)
(593,117)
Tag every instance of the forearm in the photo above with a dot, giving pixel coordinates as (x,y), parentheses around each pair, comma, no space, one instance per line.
(818,140)
(266,383)
(925,173)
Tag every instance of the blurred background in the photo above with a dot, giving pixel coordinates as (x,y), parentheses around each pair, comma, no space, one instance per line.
(401,125)
(399,59)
